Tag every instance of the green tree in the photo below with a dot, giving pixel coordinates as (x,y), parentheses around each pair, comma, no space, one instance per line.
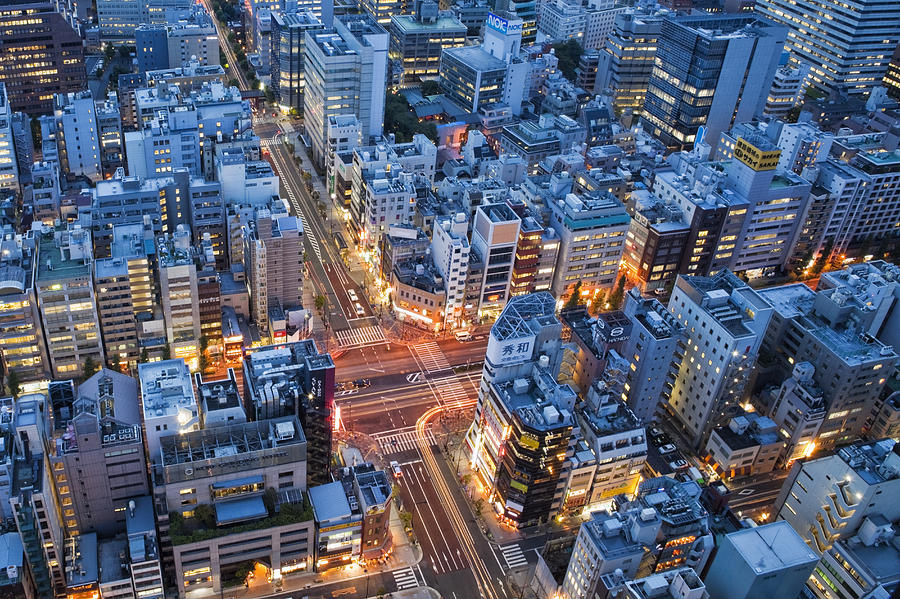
(109,52)
(431,88)
(400,120)
(204,343)
(203,362)
(320,302)
(125,52)
(618,294)
(568,53)
(145,355)
(233,82)
(13,383)
(270,95)
(597,302)
(89,367)
(167,352)
(574,299)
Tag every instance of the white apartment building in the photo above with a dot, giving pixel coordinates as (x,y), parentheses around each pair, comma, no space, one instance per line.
(450,254)
(77,135)
(724,322)
(167,397)
(656,336)
(828,498)
(495,236)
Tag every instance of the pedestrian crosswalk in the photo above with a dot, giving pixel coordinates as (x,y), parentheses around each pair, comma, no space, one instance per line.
(397,442)
(513,555)
(369,335)
(433,359)
(450,392)
(405,579)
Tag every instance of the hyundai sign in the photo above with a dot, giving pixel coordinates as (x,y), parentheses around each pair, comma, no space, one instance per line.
(502,25)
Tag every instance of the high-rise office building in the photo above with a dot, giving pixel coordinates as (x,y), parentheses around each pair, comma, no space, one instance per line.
(477,77)
(626,59)
(417,41)
(118,19)
(179,295)
(346,73)
(835,331)
(42,55)
(710,72)
(891,79)
(846,47)
(9,168)
(724,321)
(591,229)
(125,292)
(656,336)
(288,59)
(74,127)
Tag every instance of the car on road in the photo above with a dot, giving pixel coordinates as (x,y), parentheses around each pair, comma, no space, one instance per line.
(362,382)
(359,310)
(667,448)
(678,464)
(463,336)
(395,468)
(353,296)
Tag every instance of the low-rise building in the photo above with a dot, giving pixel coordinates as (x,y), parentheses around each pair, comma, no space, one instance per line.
(167,397)
(339,523)
(233,493)
(764,561)
(749,445)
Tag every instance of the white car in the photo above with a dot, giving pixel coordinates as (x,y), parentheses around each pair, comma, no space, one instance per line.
(352,294)
(395,468)
(359,310)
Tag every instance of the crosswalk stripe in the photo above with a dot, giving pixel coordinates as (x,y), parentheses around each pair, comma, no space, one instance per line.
(403,441)
(433,359)
(405,579)
(513,555)
(360,336)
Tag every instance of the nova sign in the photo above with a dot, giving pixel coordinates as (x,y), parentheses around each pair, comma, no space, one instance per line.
(502,25)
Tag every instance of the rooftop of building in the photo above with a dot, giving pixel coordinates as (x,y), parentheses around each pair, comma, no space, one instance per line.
(443,23)
(361,24)
(652,315)
(676,584)
(220,394)
(515,320)
(166,387)
(772,547)
(113,560)
(715,296)
(875,549)
(420,274)
(539,402)
(874,462)
(748,430)
(677,502)
(475,57)
(81,560)
(63,253)
(374,485)
(271,362)
(726,26)
(228,441)
(611,536)
(606,415)
(330,502)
